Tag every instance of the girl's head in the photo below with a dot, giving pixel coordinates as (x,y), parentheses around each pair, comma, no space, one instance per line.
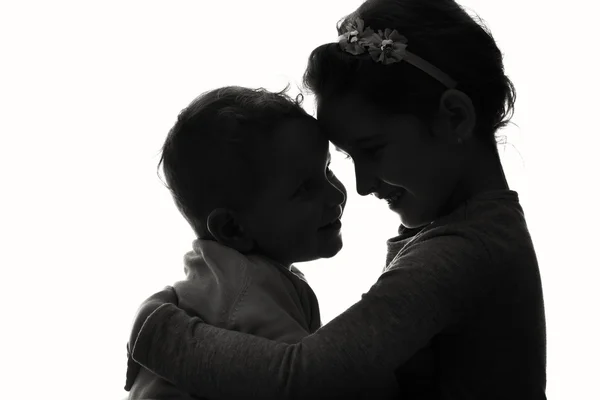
(409,134)
(250,169)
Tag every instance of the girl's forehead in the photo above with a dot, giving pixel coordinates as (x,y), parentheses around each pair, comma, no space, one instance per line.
(346,110)
(347,127)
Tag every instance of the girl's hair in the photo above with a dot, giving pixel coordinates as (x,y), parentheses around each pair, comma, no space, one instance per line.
(439,31)
(210,156)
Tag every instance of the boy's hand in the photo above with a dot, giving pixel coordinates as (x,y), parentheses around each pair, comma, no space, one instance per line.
(167,295)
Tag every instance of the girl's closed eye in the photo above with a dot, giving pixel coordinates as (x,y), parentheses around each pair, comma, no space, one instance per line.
(368,153)
(373,151)
(346,155)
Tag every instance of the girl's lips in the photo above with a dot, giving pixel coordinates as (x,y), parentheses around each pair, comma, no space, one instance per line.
(394,197)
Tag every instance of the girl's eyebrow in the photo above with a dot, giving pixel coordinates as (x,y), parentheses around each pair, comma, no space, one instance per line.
(368,139)
(365,140)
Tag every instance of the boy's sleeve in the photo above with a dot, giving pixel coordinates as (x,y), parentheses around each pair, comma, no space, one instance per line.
(167,295)
(422,293)
(309,300)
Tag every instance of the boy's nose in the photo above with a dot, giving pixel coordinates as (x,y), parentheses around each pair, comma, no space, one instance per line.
(338,192)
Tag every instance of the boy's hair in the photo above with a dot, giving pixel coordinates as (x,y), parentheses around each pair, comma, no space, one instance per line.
(211,155)
(439,31)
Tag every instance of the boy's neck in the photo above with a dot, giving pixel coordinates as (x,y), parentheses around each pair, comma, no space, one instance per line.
(285,265)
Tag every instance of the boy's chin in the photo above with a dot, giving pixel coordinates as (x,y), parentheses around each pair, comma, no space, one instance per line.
(325,250)
(331,248)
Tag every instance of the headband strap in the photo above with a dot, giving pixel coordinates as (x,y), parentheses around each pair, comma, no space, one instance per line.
(387,47)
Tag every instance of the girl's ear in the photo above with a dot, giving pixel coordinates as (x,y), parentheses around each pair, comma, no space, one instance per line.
(455,120)
(224,225)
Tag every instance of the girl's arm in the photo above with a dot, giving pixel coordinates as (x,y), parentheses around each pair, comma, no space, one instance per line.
(426,290)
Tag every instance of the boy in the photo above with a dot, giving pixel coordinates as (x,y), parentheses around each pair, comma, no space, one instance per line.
(249,171)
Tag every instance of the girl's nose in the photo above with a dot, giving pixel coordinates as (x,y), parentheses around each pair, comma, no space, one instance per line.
(365,180)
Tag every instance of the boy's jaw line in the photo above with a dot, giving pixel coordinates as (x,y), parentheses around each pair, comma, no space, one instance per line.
(312,257)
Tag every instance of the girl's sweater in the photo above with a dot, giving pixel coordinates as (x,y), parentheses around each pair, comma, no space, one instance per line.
(457,314)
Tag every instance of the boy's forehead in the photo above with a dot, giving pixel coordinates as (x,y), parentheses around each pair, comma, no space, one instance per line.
(298,134)
(298,143)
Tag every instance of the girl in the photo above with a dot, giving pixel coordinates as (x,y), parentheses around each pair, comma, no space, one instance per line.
(413,91)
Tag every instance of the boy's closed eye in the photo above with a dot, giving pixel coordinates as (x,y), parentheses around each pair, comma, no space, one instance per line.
(302,189)
(306,186)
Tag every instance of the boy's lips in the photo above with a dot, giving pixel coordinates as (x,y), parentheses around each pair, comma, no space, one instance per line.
(333,221)
(335,225)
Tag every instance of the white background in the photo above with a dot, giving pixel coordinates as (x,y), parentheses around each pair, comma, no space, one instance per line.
(88,92)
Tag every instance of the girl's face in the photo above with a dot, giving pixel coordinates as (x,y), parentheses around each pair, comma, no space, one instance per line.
(395,158)
(291,220)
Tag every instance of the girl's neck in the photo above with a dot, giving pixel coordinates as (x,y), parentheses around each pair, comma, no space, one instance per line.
(482,172)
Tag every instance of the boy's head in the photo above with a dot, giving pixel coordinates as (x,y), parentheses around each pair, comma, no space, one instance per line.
(249,169)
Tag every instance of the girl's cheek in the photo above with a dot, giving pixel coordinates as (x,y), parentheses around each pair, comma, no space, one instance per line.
(393,173)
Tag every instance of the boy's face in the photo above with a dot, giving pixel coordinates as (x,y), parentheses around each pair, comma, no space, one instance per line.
(290,219)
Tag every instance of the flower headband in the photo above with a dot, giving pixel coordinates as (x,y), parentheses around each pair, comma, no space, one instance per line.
(387,47)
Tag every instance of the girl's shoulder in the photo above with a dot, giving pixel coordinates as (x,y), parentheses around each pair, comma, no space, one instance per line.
(489,228)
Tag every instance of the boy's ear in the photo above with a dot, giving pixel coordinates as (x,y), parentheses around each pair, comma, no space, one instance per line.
(225,227)
(455,120)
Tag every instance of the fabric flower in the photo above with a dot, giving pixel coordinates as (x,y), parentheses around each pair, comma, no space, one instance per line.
(353,40)
(387,47)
